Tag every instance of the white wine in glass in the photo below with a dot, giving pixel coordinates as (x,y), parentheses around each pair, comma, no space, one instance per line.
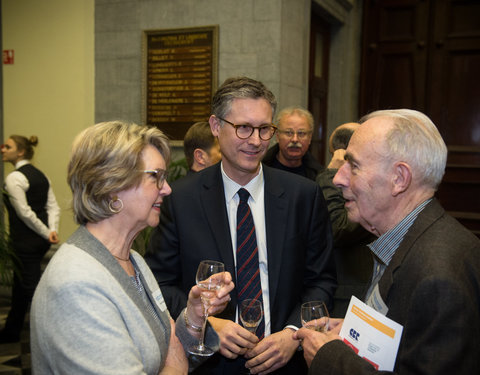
(314,315)
(210,279)
(251,314)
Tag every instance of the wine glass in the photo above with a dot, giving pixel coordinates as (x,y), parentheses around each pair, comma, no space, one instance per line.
(314,315)
(251,313)
(209,278)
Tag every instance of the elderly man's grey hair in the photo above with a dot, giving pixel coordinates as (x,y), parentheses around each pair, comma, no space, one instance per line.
(415,139)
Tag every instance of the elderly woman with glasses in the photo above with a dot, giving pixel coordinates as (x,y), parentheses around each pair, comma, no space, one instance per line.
(98,309)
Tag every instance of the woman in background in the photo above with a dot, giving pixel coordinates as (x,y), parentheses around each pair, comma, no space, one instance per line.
(33,215)
(98,308)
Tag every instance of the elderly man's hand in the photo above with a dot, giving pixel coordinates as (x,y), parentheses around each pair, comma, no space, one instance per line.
(312,340)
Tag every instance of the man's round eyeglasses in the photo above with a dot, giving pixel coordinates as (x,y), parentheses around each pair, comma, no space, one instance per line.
(159,174)
(301,134)
(245,131)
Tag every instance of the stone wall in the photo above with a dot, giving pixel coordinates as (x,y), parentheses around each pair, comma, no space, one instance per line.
(264,39)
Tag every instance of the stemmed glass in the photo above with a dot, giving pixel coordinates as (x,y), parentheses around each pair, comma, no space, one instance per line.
(251,313)
(314,315)
(210,279)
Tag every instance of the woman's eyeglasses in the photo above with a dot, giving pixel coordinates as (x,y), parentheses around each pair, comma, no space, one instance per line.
(159,174)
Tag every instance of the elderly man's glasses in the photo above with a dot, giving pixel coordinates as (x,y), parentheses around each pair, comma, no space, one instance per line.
(159,174)
(245,131)
(289,133)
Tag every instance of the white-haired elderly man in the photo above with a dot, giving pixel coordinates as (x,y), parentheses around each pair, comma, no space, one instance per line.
(426,265)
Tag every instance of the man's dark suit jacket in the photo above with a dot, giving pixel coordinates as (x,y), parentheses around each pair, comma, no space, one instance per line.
(432,288)
(194,226)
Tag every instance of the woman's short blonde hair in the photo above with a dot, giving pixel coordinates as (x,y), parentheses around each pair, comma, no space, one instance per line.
(106,159)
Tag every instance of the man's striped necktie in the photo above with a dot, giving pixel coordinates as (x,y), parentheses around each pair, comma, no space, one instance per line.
(248,270)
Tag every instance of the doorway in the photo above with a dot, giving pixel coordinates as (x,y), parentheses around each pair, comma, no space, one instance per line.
(318,83)
(425,55)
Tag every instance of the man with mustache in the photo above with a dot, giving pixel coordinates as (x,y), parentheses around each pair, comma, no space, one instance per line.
(295,129)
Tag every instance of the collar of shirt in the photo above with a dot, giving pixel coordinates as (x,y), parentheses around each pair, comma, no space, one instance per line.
(254,187)
(21,163)
(384,247)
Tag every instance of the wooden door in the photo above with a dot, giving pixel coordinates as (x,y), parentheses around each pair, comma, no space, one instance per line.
(318,84)
(394,55)
(454,103)
(425,55)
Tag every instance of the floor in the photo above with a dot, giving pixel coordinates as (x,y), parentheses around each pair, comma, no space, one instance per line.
(14,358)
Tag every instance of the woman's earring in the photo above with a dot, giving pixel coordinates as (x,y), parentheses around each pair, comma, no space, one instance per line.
(115,205)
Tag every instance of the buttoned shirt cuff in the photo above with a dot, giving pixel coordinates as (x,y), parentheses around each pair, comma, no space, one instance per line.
(295,328)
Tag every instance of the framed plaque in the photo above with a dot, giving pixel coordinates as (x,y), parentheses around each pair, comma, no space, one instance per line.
(180,75)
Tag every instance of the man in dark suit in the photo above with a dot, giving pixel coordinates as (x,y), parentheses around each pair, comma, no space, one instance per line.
(427,265)
(292,228)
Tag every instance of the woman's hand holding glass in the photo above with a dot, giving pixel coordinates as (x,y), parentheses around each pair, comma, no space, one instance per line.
(217,301)
(209,296)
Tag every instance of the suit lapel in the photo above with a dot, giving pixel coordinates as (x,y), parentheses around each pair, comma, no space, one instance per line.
(276,210)
(212,197)
(432,212)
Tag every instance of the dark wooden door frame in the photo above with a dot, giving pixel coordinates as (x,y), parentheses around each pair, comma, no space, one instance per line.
(318,85)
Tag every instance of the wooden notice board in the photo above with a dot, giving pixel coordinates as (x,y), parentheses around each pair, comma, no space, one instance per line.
(180,75)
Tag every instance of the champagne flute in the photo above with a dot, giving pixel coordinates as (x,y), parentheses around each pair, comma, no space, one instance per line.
(251,313)
(210,279)
(314,315)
